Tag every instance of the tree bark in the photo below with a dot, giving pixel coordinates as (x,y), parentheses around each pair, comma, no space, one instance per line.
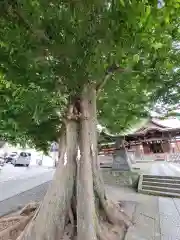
(86,215)
(50,221)
(112,212)
(97,177)
(77,196)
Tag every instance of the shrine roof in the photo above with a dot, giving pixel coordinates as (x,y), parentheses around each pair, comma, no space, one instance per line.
(150,124)
(165,125)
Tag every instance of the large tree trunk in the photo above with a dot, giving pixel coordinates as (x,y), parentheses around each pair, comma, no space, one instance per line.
(77,196)
(112,212)
(51,219)
(86,219)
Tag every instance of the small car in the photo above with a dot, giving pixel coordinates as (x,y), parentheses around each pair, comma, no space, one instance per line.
(11,157)
(23,158)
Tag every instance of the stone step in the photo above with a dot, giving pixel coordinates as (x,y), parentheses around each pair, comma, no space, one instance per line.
(160,184)
(155,183)
(161,180)
(172,189)
(160,177)
(158,193)
(104,166)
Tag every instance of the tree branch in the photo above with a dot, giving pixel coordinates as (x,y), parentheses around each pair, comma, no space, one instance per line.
(109,72)
(10,9)
(102,84)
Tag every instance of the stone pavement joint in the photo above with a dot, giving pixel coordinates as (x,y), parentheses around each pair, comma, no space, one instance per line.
(146,221)
(156,219)
(169,218)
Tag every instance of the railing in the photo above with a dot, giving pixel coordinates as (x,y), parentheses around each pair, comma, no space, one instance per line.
(173,157)
(170,157)
(152,157)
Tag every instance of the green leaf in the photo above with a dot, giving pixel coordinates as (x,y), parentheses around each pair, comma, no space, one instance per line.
(136,58)
(49,51)
(157,45)
(122,3)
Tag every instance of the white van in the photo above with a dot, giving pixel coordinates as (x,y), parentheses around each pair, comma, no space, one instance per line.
(24,158)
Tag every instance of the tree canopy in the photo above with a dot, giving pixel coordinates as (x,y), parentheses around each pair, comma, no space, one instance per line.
(50,49)
(57,60)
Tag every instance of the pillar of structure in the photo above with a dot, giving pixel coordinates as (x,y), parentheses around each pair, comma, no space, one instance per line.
(121,162)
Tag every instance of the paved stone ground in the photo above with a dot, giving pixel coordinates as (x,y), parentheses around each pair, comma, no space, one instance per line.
(155,218)
(146,222)
(169,214)
(159,168)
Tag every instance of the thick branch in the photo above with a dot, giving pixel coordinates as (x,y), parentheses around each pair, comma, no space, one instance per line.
(102,84)
(110,71)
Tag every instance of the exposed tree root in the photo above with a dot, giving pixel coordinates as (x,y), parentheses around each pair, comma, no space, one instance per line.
(106,231)
(115,215)
(12,226)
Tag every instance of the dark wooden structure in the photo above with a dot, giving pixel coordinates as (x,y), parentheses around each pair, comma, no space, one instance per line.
(152,138)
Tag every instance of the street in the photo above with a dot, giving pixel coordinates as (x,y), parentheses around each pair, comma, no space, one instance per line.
(9,172)
(20,185)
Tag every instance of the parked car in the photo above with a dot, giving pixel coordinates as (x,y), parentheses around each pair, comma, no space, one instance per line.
(23,158)
(11,157)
